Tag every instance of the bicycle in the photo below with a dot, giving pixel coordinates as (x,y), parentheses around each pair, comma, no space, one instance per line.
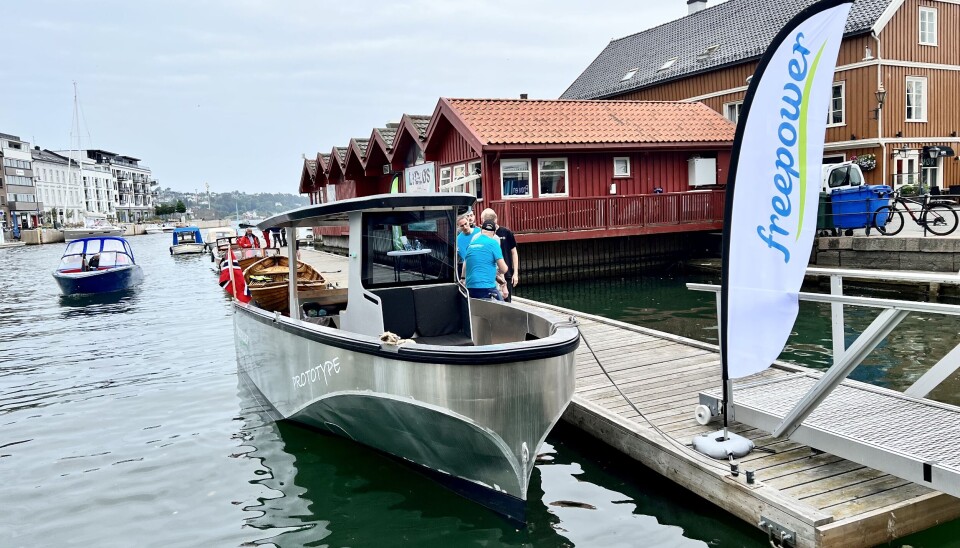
(938,217)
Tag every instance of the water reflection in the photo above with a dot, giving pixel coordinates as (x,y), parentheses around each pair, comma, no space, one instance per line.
(99,303)
(325,490)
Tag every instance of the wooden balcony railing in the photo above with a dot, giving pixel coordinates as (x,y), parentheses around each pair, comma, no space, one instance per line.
(610,212)
(600,213)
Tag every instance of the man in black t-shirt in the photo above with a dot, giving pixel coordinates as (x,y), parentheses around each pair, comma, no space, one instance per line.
(508,245)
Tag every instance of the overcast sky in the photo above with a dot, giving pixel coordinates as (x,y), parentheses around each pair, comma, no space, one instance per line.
(233,92)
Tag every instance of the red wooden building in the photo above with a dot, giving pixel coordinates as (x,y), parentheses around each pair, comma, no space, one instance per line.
(559,170)
(553,170)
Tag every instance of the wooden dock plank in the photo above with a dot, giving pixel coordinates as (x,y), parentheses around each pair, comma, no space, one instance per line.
(663,380)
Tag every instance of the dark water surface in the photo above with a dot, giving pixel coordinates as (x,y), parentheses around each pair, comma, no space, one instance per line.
(121,424)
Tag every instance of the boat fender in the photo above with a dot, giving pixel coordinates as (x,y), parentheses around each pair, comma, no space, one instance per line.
(393,339)
(713,445)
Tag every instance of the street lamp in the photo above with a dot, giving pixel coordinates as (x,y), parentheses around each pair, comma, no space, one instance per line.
(881,95)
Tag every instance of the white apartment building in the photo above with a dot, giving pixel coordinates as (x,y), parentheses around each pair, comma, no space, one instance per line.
(116,185)
(58,187)
(19,205)
(99,188)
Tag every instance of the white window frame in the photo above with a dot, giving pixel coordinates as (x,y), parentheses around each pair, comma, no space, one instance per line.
(937,170)
(476,168)
(446,176)
(460,172)
(529,193)
(730,105)
(931,26)
(566,177)
(922,107)
(843,105)
(621,175)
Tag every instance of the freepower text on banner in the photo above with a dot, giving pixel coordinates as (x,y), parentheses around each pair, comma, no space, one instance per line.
(775,170)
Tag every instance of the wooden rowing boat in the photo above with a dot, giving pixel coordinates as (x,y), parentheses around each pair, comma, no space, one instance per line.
(268,281)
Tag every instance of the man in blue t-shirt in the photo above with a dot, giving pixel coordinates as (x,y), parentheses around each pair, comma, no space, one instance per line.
(465,233)
(484,264)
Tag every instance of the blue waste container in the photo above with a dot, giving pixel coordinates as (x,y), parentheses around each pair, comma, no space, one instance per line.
(854,207)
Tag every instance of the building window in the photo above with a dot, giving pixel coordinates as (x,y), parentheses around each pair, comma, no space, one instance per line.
(916,99)
(445,178)
(629,75)
(835,116)
(621,166)
(473,168)
(667,64)
(930,173)
(515,177)
(552,174)
(732,111)
(928,26)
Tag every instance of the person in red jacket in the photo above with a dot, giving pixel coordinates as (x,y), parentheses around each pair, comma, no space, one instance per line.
(249,239)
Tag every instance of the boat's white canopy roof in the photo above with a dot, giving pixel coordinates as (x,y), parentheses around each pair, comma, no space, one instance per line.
(337,213)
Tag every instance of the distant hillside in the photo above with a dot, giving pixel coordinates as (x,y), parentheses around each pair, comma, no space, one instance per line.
(226,204)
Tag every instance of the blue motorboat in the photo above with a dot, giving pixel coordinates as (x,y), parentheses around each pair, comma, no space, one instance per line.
(97,265)
(187,240)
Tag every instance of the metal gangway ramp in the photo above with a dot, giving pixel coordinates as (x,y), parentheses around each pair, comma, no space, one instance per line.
(903,434)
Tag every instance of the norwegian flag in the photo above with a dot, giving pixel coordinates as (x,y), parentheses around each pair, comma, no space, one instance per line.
(229,265)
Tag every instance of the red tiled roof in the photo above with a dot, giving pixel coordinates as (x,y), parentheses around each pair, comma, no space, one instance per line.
(520,121)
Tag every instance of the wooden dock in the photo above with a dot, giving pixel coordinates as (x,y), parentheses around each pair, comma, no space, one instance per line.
(825,500)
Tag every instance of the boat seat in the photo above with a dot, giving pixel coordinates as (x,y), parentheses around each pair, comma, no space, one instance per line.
(397,306)
(439,311)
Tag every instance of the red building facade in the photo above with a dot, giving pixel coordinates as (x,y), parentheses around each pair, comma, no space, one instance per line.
(553,170)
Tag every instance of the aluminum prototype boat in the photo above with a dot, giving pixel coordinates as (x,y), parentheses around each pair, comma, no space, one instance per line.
(472,395)
(97,265)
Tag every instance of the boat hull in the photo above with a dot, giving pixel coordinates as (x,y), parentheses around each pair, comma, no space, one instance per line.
(186,249)
(71,234)
(480,424)
(101,281)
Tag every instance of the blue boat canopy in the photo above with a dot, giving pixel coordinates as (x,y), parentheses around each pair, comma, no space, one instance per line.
(187,235)
(97,244)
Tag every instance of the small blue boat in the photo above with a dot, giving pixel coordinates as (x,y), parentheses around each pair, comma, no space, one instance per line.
(187,240)
(100,264)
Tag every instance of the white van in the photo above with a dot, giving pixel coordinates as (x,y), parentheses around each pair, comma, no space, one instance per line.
(840,176)
(305,234)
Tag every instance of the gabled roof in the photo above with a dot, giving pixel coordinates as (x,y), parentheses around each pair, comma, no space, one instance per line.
(335,166)
(308,176)
(420,122)
(741,30)
(492,122)
(387,134)
(354,163)
(323,162)
(412,129)
(379,150)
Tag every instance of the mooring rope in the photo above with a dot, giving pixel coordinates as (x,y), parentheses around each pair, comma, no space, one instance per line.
(676,443)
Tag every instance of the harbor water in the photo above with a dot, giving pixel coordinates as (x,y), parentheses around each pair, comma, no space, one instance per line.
(122,424)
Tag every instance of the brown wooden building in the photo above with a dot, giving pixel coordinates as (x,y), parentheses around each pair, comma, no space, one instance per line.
(908,50)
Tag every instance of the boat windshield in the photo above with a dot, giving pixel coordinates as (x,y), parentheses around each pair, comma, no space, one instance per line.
(109,253)
(408,248)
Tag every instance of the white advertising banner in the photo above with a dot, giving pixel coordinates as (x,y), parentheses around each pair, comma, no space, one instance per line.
(773,189)
(420,178)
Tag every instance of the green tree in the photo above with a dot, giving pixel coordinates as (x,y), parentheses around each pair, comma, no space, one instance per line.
(180,207)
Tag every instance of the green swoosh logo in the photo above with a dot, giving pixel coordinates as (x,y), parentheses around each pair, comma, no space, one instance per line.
(803,138)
